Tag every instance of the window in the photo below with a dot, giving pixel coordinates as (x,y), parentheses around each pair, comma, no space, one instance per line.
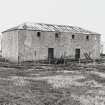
(73,36)
(87,37)
(38,34)
(56,35)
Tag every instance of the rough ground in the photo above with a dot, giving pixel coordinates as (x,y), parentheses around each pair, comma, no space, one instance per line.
(77,84)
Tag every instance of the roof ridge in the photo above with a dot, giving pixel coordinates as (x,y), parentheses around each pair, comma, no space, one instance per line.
(51,27)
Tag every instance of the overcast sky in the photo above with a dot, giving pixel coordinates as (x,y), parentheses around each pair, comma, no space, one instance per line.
(88,14)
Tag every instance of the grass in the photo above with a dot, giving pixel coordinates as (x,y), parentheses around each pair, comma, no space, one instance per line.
(52,85)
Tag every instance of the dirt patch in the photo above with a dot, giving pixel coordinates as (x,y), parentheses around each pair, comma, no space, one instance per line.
(64,81)
(19,81)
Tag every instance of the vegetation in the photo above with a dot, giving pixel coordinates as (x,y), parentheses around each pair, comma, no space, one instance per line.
(74,84)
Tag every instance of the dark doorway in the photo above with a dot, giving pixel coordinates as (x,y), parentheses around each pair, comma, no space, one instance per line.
(50,54)
(77,54)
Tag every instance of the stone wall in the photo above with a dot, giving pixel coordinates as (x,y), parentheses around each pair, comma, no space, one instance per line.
(32,47)
(10,45)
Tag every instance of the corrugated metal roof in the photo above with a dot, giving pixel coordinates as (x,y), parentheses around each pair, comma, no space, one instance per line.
(51,27)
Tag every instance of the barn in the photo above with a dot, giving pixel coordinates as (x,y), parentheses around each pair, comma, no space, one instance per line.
(39,41)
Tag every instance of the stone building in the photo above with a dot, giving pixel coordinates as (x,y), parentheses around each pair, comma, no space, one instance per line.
(38,41)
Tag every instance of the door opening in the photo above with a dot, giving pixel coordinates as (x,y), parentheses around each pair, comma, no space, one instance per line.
(77,54)
(50,54)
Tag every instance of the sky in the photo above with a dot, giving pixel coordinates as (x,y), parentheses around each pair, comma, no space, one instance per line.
(88,14)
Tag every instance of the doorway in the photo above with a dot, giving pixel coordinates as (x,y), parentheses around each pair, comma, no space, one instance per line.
(50,53)
(77,54)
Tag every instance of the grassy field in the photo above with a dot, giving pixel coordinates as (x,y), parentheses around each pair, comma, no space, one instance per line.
(75,84)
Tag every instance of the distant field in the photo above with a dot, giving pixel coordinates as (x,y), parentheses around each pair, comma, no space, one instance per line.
(75,84)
